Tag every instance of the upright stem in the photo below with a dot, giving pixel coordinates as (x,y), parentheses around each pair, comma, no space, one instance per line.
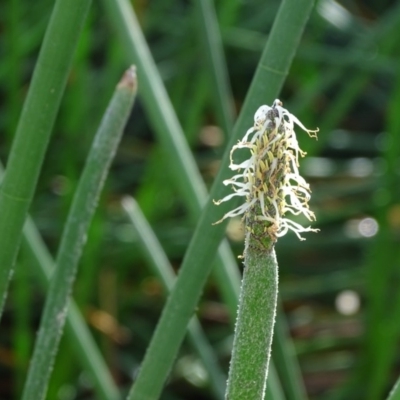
(254,326)
(217,67)
(74,236)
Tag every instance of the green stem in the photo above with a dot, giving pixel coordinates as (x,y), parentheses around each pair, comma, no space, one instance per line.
(13,33)
(283,354)
(254,326)
(22,330)
(274,388)
(213,50)
(74,235)
(34,128)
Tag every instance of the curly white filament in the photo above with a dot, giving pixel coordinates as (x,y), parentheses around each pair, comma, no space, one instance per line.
(270,180)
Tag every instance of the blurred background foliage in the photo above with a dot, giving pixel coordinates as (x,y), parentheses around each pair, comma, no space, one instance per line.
(340,288)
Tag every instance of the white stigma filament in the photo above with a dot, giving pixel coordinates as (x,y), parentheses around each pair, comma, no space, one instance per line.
(269,180)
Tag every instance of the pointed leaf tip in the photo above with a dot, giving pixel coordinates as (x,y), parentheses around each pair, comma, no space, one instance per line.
(129,79)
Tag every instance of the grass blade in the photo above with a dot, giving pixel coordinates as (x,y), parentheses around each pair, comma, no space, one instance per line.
(34,128)
(80,215)
(382,327)
(283,354)
(212,44)
(22,335)
(274,390)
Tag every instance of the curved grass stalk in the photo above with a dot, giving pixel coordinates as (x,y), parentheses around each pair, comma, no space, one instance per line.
(212,44)
(74,235)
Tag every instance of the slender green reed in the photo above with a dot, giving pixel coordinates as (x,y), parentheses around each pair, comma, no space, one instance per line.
(22,331)
(382,316)
(34,128)
(268,80)
(74,235)
(212,44)
(274,389)
(283,354)
(12,26)
(255,326)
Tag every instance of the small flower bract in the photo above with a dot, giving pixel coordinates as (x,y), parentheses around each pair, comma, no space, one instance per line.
(269,180)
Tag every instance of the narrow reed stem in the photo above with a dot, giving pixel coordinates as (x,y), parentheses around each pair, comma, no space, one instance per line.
(74,235)
(254,326)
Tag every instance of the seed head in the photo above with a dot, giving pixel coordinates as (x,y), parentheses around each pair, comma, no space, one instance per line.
(269,179)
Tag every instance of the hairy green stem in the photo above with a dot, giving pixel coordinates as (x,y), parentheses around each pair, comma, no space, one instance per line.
(254,326)
(74,235)
(34,128)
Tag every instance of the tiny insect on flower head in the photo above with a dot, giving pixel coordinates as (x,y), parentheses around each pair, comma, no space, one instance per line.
(269,179)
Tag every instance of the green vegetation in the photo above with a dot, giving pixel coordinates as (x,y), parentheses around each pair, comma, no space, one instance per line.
(203,70)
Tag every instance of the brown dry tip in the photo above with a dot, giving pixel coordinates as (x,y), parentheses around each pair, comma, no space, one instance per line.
(129,79)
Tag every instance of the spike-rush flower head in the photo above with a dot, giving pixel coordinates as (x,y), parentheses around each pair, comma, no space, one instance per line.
(269,180)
